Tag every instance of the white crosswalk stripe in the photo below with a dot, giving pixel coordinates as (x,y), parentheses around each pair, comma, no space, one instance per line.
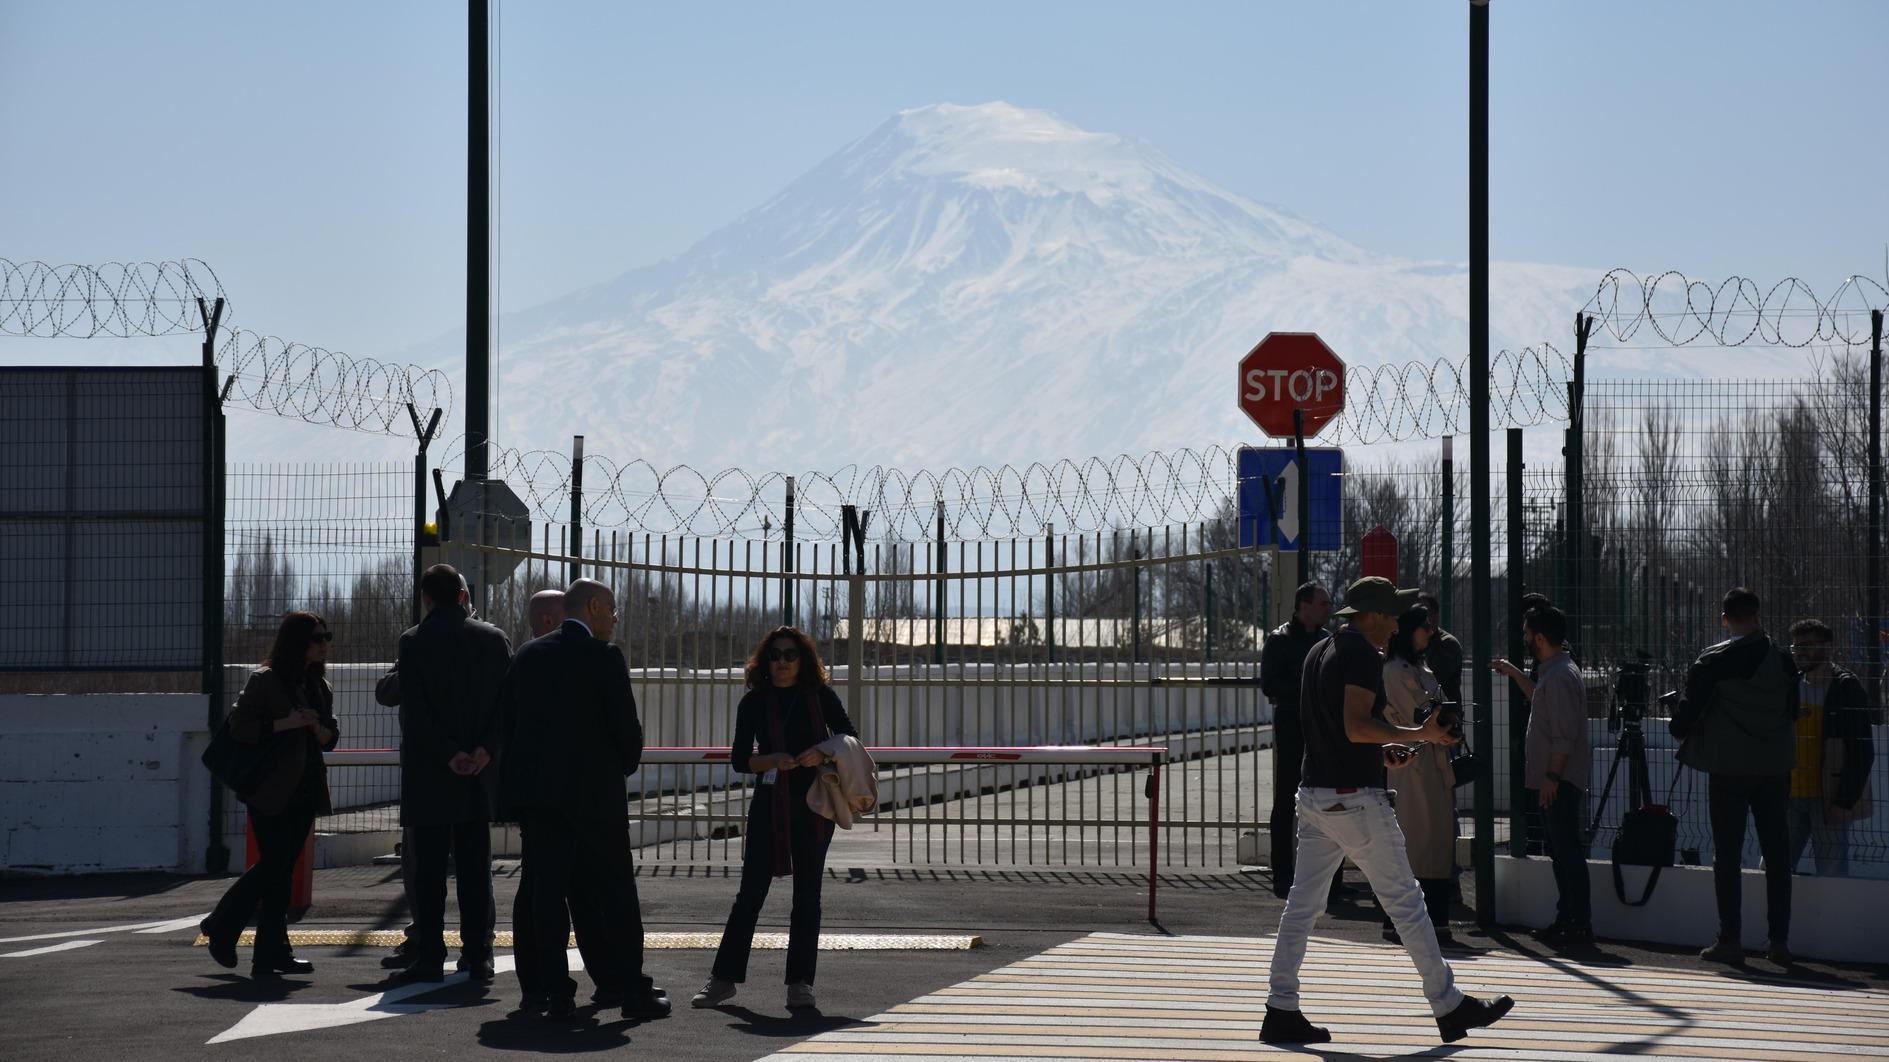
(1125,996)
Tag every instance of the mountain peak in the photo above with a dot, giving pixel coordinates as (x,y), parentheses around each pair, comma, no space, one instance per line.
(1000,145)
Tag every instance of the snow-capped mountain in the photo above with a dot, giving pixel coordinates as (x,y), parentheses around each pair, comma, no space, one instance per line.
(975,284)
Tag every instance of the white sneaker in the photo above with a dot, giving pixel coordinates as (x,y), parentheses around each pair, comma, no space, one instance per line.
(800,997)
(713,993)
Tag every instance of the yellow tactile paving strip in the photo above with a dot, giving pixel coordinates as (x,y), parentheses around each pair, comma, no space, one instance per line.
(1122,996)
(387,938)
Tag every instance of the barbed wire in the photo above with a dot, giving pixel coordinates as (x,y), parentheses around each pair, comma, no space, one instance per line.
(328,387)
(120,299)
(1735,311)
(1428,400)
(274,375)
(993,502)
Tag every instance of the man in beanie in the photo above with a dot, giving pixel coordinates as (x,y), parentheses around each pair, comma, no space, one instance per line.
(1344,813)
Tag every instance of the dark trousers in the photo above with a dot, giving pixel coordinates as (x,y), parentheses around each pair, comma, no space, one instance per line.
(577,864)
(1561,836)
(1764,796)
(809,835)
(263,890)
(470,844)
(1288,761)
(584,919)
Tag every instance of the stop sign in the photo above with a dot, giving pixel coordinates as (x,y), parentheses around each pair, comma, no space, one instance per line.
(1288,371)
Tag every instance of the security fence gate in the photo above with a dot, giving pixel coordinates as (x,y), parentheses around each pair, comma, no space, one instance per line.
(995,650)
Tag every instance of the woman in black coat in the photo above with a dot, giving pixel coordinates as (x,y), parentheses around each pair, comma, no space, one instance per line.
(288,707)
(789,708)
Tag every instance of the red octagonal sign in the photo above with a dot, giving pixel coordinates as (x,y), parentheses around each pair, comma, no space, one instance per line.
(1288,371)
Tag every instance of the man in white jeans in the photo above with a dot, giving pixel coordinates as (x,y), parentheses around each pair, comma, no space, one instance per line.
(1343,811)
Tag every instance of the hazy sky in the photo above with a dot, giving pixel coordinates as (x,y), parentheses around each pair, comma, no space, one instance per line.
(313,153)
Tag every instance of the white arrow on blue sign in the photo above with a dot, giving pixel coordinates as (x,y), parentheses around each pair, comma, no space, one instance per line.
(1269,497)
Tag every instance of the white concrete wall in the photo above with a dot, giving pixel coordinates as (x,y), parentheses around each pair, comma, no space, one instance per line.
(1838,919)
(107,782)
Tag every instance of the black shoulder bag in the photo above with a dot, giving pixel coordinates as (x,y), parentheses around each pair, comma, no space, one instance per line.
(1647,837)
(236,764)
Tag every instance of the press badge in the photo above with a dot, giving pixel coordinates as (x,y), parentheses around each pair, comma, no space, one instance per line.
(768,778)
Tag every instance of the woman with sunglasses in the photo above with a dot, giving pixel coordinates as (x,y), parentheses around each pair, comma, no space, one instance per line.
(789,708)
(287,706)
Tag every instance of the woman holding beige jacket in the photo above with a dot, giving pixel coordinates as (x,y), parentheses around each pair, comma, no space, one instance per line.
(788,712)
(1426,789)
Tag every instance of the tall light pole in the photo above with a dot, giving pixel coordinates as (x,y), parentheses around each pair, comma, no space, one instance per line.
(1480,531)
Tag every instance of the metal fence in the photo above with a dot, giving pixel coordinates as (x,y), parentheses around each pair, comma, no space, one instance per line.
(338,540)
(1689,489)
(1134,635)
(1124,640)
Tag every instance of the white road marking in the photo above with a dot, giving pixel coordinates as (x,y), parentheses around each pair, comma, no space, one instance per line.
(70,945)
(176,924)
(136,927)
(273,1019)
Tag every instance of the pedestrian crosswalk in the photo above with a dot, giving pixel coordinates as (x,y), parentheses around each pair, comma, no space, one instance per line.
(1123,996)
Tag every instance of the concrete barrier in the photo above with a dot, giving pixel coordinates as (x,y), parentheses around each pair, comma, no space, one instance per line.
(1836,919)
(92,783)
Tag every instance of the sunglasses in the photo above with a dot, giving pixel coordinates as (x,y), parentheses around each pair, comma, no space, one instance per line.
(774,656)
(324,636)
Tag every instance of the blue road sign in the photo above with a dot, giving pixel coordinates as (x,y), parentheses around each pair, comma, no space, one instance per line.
(1269,497)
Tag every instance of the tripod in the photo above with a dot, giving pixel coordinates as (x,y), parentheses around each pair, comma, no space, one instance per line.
(1630,749)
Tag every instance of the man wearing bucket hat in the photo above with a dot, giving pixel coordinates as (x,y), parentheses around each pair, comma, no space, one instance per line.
(1345,813)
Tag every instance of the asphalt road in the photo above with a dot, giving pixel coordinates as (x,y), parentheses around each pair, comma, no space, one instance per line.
(152,995)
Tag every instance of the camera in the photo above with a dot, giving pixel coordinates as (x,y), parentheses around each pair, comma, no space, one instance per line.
(1630,691)
(1449,713)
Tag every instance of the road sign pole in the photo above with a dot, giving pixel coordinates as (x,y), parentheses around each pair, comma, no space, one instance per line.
(1305,496)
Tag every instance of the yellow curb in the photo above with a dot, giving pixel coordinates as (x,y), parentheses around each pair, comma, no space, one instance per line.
(388,938)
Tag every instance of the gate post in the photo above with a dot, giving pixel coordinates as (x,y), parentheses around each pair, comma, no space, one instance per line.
(853,557)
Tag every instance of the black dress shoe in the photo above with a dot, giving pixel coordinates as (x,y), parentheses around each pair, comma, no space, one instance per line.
(1576,937)
(534,1004)
(1472,1013)
(222,948)
(398,959)
(1552,932)
(264,975)
(607,997)
(1290,1027)
(420,973)
(287,964)
(559,1007)
(478,967)
(646,1005)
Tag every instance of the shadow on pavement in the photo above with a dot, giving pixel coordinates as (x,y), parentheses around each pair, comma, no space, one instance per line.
(798,1025)
(590,1029)
(243,990)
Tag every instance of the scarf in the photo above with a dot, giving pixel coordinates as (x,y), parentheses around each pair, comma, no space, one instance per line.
(783,855)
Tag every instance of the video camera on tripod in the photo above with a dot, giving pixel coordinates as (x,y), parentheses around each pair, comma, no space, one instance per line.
(1647,830)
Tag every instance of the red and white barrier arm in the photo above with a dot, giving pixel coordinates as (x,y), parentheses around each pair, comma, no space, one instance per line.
(885,755)
(1151,756)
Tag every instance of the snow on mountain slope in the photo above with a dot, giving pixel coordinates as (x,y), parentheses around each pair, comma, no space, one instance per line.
(975,284)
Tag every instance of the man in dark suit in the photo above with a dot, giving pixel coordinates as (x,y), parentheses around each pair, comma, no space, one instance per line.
(451,667)
(571,735)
